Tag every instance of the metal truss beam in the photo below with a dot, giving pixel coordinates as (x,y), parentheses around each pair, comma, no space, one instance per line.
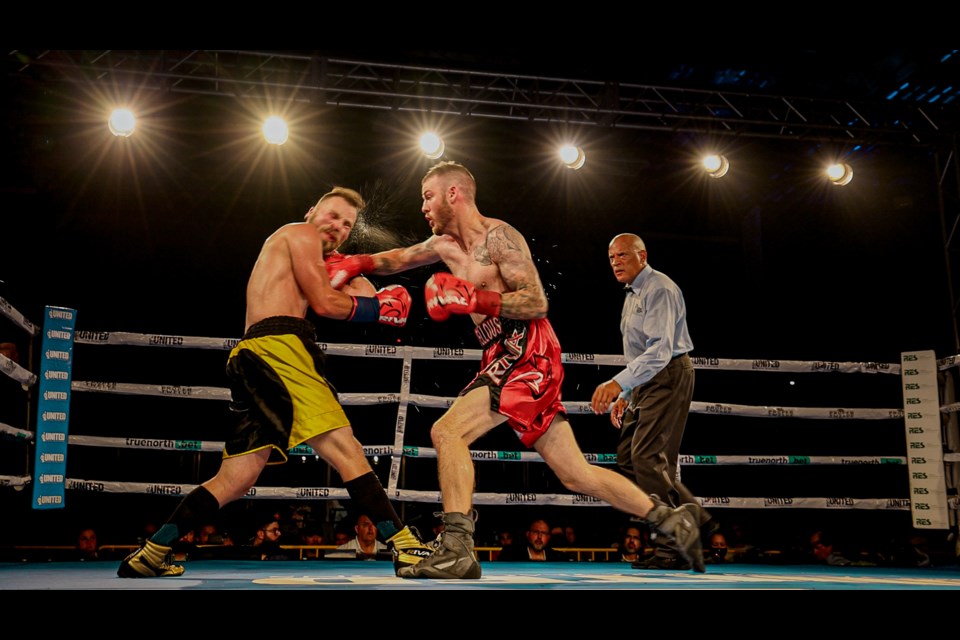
(295,76)
(948,171)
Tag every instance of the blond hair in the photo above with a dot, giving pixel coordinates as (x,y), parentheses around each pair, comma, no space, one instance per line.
(351,196)
(468,184)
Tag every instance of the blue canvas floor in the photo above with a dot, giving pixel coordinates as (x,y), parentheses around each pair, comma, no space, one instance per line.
(358,575)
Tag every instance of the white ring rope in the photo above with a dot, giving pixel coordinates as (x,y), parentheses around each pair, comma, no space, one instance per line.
(7,309)
(13,370)
(439,402)
(168,444)
(18,373)
(397,450)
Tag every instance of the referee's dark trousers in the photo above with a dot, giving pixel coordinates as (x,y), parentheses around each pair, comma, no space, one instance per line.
(652,429)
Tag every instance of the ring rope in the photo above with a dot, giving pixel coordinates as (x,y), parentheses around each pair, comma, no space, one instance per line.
(18,318)
(122,338)
(213,446)
(13,370)
(405,399)
(440,402)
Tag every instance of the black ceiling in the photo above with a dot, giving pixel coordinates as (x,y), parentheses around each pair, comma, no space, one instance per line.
(870,95)
(191,212)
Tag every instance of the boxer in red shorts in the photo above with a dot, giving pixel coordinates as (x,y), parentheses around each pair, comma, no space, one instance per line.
(493,279)
(521,367)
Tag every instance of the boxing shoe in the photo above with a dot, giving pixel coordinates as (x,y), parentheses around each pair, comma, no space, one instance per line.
(149,561)
(679,530)
(454,557)
(408,549)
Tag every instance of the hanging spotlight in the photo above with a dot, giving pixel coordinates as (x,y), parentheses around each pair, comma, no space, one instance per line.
(121,123)
(840,174)
(432,145)
(572,156)
(275,130)
(716,165)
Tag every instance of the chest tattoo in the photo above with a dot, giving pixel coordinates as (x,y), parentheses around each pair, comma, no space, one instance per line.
(481,255)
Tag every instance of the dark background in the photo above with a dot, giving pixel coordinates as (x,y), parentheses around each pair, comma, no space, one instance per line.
(157,233)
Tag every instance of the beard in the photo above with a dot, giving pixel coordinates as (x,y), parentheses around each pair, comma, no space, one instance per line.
(441,218)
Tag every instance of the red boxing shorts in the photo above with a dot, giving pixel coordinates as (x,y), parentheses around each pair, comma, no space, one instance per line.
(523,369)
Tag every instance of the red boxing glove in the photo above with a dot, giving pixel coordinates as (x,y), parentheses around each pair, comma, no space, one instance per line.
(394,305)
(446,294)
(342,268)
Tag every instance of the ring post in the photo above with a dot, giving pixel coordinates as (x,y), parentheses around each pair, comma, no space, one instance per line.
(921,415)
(53,409)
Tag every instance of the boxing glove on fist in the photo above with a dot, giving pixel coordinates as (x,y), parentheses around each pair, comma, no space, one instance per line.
(394,305)
(343,268)
(390,305)
(446,294)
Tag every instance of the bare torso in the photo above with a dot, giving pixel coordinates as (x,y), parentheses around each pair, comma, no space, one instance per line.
(474,263)
(486,252)
(273,289)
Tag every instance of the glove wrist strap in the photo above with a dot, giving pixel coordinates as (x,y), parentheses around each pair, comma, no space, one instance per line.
(488,303)
(364,310)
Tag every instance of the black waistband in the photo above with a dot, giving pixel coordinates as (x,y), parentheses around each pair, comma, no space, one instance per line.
(282,325)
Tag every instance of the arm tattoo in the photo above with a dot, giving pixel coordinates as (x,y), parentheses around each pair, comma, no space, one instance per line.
(525,298)
(481,254)
(501,241)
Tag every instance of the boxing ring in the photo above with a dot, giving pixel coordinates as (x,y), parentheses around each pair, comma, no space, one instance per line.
(105,384)
(527,576)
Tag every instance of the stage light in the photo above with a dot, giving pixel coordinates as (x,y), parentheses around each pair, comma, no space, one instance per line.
(275,130)
(573,156)
(840,174)
(432,145)
(122,123)
(716,165)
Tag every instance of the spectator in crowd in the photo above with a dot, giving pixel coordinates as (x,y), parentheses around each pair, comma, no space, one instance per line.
(563,537)
(537,547)
(311,536)
(826,550)
(87,548)
(717,551)
(300,517)
(265,542)
(209,542)
(365,544)
(504,540)
(343,534)
(633,544)
(210,534)
(9,350)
